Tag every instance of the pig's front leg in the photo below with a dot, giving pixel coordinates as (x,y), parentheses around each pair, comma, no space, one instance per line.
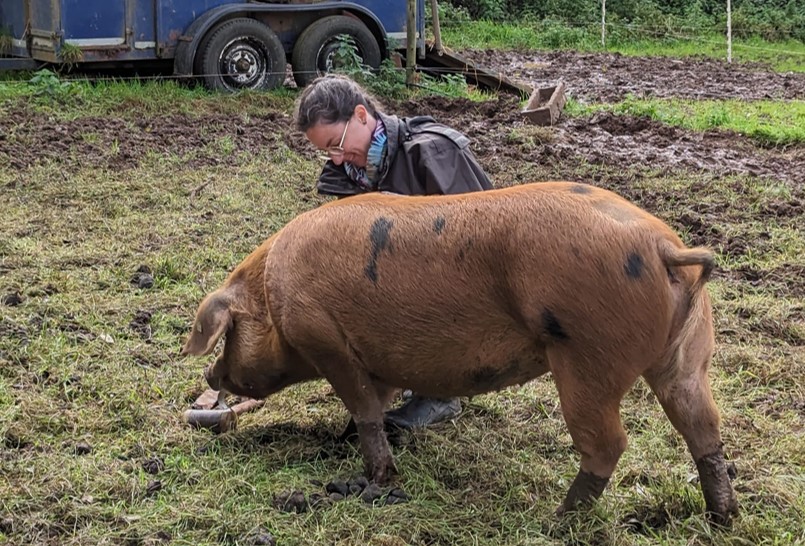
(366,400)
(378,462)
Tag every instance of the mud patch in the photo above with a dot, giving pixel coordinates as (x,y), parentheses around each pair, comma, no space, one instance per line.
(616,141)
(119,143)
(610,77)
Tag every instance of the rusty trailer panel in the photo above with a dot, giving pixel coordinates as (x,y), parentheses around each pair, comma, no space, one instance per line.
(439,63)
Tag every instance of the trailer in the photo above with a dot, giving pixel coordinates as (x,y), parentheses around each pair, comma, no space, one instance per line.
(230,45)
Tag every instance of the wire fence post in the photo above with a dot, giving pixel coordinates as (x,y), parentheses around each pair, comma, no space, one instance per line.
(603,23)
(410,53)
(729,31)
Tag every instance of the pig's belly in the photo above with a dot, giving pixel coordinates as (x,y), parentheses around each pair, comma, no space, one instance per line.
(457,372)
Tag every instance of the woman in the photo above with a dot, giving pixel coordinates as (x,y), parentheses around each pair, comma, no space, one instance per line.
(372,151)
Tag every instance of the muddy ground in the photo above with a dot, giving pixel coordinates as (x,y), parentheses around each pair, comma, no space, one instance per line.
(610,77)
(603,139)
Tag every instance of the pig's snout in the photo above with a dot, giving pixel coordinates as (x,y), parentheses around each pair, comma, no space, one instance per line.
(213,380)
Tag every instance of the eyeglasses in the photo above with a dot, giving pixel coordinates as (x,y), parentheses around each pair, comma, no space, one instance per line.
(338,151)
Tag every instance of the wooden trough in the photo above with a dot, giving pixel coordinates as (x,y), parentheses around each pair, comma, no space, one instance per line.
(545,105)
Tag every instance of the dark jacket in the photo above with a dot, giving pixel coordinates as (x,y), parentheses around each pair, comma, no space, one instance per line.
(426,158)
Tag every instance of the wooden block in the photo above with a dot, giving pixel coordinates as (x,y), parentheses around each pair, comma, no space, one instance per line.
(545,105)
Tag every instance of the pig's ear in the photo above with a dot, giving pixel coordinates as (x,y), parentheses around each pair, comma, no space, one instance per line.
(213,319)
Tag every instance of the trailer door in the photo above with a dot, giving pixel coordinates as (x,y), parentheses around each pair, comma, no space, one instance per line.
(95,24)
(96,27)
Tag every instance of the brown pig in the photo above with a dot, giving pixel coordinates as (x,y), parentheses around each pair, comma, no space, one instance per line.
(467,294)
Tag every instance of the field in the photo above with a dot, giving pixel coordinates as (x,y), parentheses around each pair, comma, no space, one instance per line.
(104,185)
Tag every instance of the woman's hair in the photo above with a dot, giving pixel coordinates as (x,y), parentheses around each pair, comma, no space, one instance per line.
(331,99)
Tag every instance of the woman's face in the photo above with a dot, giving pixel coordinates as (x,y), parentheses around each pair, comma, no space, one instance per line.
(345,141)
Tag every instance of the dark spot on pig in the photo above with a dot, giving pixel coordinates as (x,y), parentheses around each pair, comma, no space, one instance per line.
(580,188)
(634,266)
(552,325)
(438,225)
(379,240)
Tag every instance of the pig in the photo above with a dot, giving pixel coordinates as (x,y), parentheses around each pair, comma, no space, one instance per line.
(465,294)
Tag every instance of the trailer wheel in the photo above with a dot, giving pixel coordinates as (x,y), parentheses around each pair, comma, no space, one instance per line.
(242,54)
(314,51)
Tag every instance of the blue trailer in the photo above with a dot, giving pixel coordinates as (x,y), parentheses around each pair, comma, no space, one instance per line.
(229,44)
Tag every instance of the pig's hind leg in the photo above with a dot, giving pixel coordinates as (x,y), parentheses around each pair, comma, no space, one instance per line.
(683,389)
(590,394)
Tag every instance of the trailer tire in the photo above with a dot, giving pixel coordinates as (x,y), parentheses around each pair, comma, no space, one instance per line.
(242,54)
(312,54)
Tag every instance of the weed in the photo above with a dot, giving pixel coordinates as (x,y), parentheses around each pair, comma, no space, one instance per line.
(48,86)
(6,41)
(70,54)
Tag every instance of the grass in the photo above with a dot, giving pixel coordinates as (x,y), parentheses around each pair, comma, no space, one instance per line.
(770,123)
(782,56)
(75,366)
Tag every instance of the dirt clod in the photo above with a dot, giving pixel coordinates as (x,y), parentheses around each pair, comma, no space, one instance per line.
(153,487)
(371,493)
(337,487)
(13,441)
(335,497)
(141,324)
(12,299)
(143,278)
(83,448)
(261,537)
(291,501)
(154,465)
(359,482)
(319,500)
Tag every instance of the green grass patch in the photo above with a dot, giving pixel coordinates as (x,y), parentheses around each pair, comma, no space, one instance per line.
(770,123)
(782,56)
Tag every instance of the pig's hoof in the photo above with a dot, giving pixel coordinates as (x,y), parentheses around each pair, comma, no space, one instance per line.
(722,516)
